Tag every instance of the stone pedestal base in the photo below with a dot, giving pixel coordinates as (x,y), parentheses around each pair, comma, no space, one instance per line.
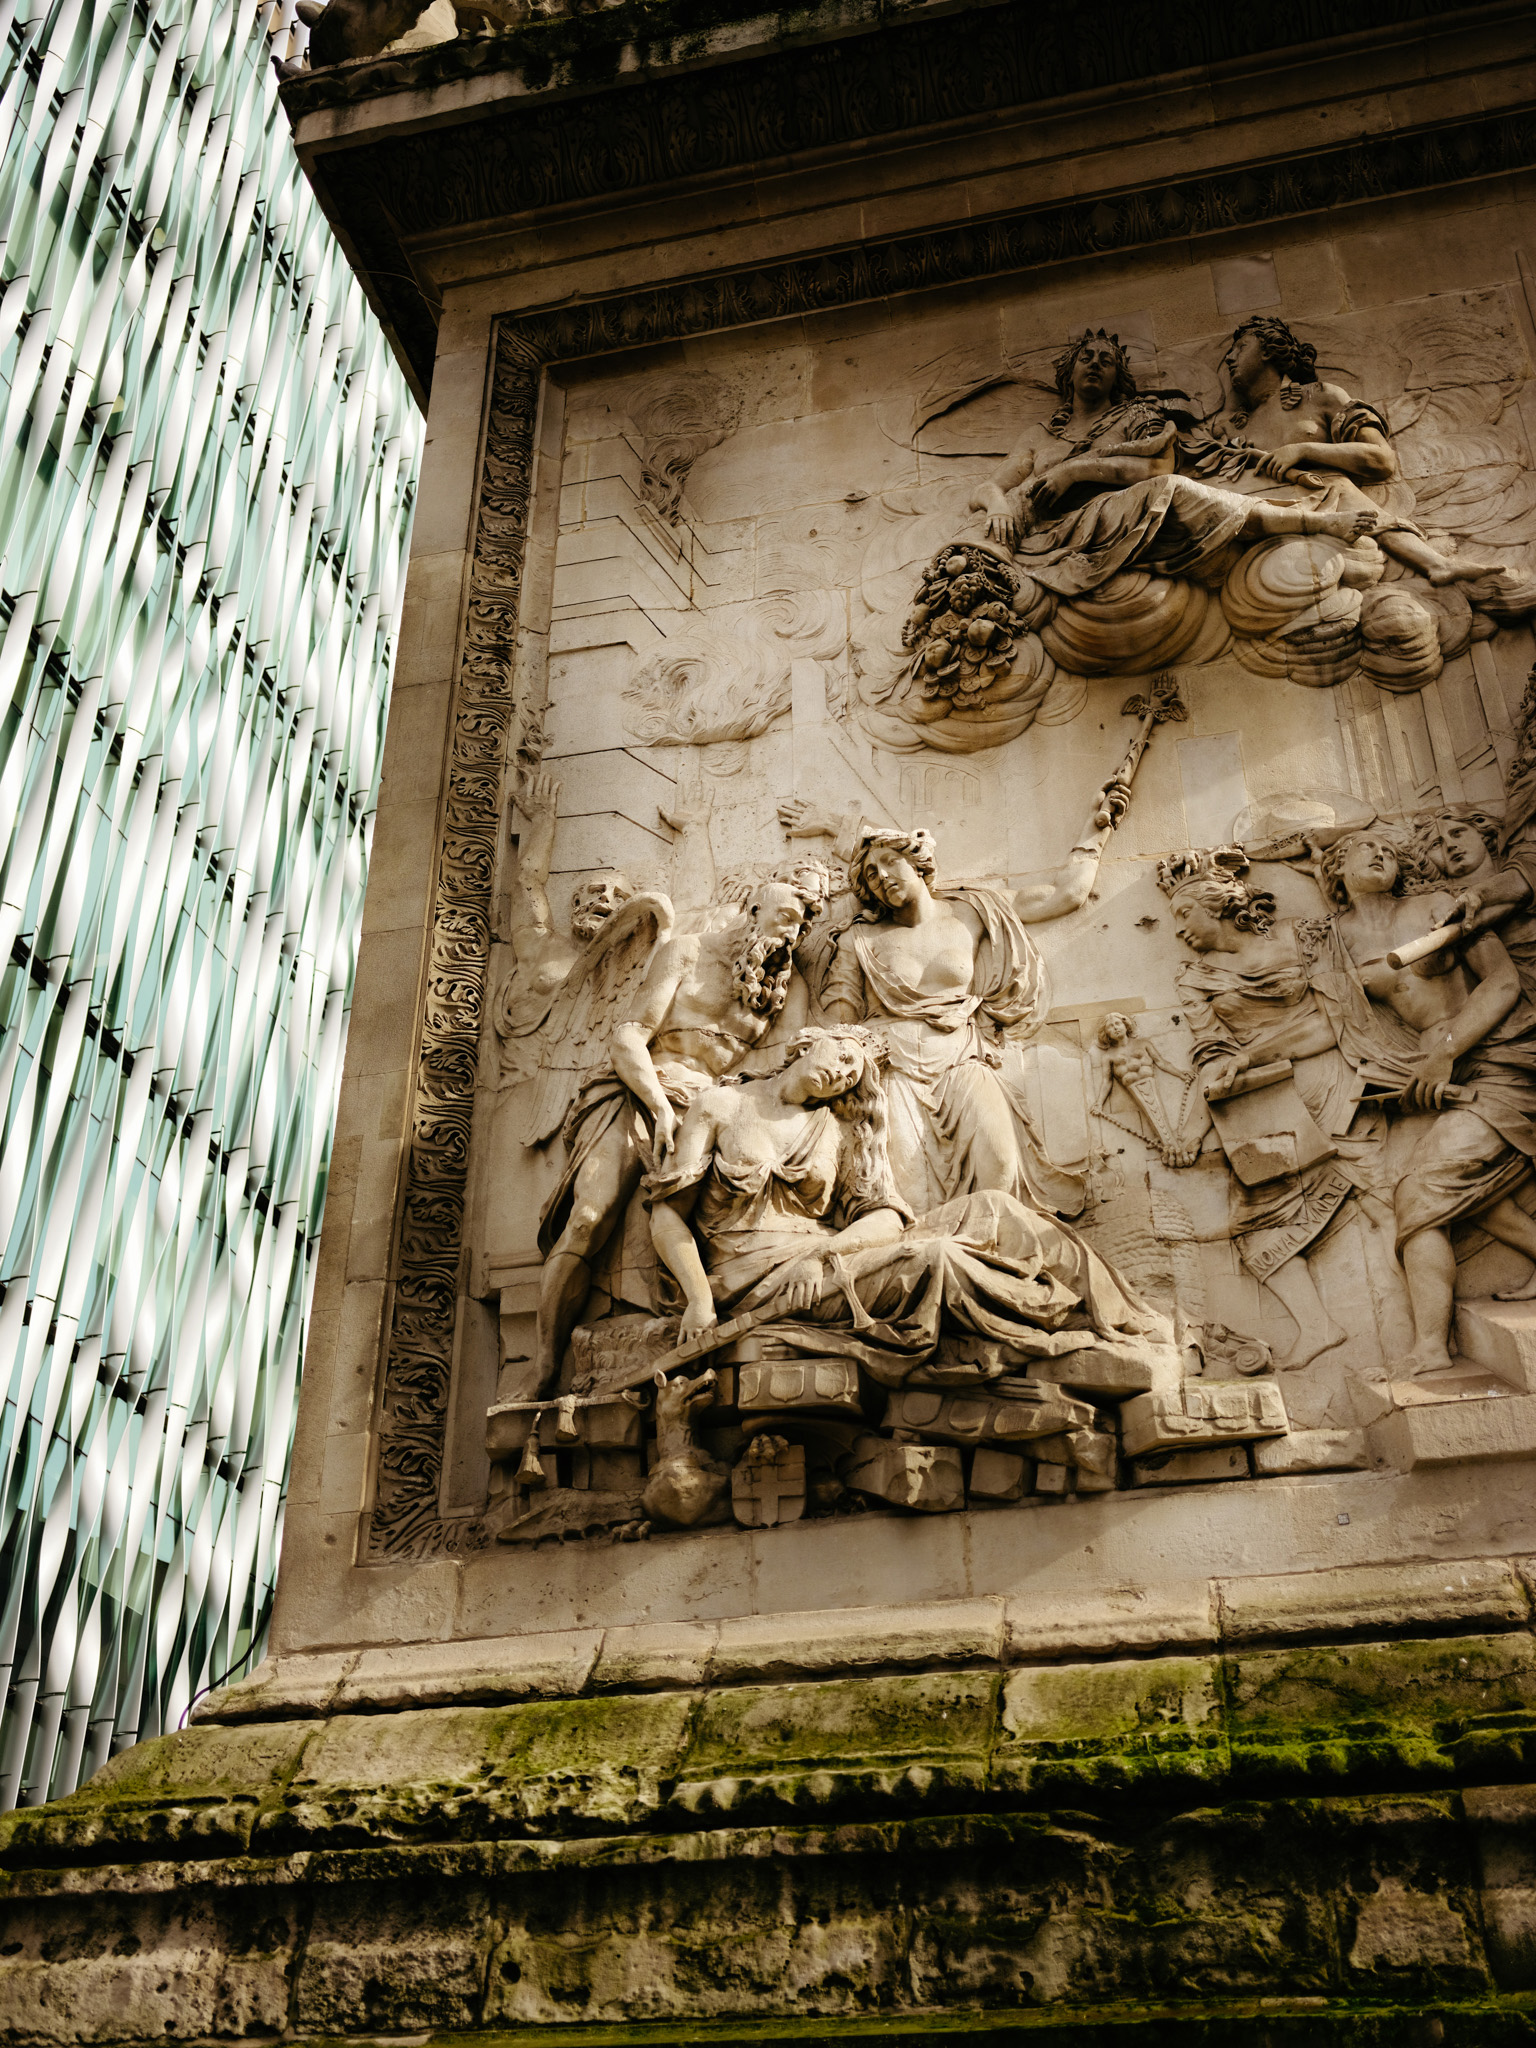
(1222,1843)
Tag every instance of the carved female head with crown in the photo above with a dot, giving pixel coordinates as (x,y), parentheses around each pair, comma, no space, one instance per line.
(1214,904)
(1094,367)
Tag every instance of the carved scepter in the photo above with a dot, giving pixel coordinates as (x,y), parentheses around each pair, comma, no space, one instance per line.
(1162,702)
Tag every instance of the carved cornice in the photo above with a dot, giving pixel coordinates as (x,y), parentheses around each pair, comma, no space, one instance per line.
(828,73)
(385,193)
(486,732)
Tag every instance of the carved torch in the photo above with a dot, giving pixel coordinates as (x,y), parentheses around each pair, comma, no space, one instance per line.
(1162,702)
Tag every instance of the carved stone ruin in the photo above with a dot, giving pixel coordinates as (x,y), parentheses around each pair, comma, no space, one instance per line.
(922,1393)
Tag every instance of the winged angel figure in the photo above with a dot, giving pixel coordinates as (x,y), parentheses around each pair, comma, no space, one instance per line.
(597,992)
(656,1006)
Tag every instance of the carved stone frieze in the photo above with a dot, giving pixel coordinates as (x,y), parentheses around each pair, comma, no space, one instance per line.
(1187,1153)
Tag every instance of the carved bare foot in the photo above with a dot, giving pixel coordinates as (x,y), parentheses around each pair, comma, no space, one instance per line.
(1460,571)
(1310,1344)
(1346,526)
(1525,1293)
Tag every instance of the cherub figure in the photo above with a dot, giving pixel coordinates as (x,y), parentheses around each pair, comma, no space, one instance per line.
(1135,1064)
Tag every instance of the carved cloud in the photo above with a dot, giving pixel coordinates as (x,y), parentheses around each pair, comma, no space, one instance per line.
(679,419)
(729,679)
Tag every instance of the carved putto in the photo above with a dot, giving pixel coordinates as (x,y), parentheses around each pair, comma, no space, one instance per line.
(963,627)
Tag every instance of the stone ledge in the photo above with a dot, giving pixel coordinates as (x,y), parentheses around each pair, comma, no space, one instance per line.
(1457,1596)
(1460,1594)
(1346,1716)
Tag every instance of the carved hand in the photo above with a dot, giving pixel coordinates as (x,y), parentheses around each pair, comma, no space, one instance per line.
(1280,462)
(685,811)
(1219,1075)
(539,794)
(802,819)
(1112,803)
(1434,1069)
(1003,522)
(1045,490)
(666,1131)
(698,1317)
(800,1285)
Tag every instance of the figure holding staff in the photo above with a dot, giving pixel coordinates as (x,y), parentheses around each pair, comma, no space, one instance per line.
(952,978)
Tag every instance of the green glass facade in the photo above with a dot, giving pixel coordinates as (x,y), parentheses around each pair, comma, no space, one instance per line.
(207,466)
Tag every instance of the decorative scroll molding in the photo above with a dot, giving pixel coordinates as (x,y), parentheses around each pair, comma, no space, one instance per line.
(489,728)
(486,732)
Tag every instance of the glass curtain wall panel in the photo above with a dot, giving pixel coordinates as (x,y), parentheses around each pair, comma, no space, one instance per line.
(207,467)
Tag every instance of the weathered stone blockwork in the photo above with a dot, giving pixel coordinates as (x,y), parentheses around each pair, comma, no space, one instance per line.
(1344,1820)
(1003,1640)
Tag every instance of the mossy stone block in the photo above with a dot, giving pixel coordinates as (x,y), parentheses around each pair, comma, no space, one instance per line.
(864,1742)
(1363,1712)
(852,1720)
(455,1774)
(1111,1726)
(197,1792)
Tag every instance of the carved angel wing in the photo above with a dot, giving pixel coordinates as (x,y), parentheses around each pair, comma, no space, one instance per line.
(603,980)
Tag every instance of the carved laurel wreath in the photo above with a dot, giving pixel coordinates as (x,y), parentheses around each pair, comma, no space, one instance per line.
(490,728)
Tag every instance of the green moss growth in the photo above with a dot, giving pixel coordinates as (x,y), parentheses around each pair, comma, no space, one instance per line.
(1494,2022)
(1156,1734)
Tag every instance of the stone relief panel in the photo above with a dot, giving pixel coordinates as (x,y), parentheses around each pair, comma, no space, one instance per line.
(957,1082)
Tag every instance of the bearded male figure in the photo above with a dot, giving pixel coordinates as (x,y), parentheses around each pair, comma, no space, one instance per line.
(545,954)
(707,1001)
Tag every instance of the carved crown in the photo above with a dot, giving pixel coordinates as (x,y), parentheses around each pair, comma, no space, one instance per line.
(1230,863)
